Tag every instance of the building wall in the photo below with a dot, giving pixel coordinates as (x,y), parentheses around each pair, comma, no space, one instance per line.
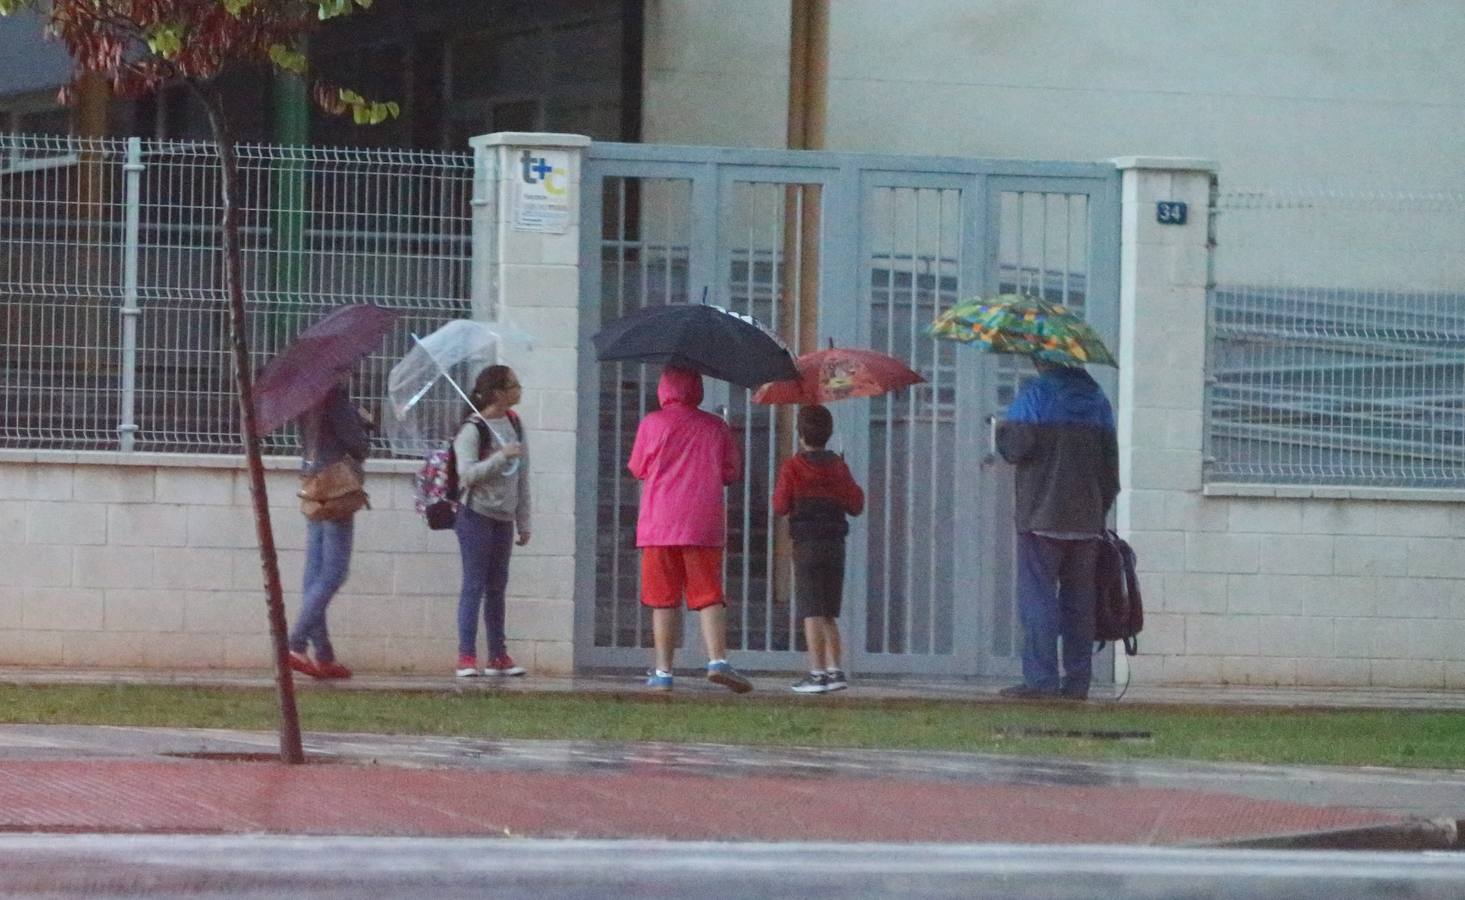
(27,61)
(716,73)
(1364,92)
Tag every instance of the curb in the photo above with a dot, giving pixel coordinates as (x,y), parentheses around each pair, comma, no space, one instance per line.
(1409,834)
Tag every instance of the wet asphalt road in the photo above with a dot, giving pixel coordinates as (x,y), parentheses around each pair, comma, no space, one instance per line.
(1422,793)
(256,865)
(157,866)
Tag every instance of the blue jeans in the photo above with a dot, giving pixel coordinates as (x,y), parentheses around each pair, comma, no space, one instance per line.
(1056,593)
(327,562)
(485,545)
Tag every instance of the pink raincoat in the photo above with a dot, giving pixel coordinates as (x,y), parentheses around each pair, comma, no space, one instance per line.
(683,457)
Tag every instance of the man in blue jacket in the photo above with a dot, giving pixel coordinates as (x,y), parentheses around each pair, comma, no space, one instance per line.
(1059,432)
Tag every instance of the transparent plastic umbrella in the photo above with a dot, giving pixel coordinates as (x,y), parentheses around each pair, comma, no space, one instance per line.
(427,392)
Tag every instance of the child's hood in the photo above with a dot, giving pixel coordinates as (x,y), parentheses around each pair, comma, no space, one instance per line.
(677,385)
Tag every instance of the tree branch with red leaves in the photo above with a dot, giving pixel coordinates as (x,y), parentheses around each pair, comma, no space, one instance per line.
(139,46)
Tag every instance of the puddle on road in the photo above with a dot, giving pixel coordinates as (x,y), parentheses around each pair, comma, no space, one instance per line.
(1076,734)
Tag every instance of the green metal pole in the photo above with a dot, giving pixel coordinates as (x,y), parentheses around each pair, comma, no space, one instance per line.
(291,130)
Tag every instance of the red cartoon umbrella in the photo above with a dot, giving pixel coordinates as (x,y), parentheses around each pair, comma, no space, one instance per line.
(839,373)
(304,371)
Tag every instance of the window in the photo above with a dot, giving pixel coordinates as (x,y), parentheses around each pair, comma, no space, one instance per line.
(555,76)
(46,121)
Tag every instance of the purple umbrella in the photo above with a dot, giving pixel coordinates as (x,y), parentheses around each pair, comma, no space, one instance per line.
(301,375)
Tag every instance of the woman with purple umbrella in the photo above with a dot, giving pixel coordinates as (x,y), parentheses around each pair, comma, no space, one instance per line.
(308,382)
(332,431)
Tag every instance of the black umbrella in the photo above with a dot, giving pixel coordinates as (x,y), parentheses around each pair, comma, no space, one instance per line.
(709,339)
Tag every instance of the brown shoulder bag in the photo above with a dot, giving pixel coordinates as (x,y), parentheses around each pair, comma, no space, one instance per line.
(334,493)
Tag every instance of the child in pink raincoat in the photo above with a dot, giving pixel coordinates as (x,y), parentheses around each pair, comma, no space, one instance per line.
(684,457)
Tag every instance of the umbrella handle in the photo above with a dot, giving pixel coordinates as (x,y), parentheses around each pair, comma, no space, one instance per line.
(991,456)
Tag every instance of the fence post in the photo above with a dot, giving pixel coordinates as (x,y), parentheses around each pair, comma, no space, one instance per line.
(132,172)
(1163,275)
(483,270)
(526,276)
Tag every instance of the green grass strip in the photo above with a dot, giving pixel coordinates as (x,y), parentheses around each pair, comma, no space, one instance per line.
(1416,739)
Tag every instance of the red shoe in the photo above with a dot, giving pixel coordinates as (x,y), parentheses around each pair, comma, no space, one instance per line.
(503,664)
(333,669)
(467,666)
(302,664)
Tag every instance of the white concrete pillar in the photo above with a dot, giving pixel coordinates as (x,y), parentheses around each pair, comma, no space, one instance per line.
(1165,270)
(526,279)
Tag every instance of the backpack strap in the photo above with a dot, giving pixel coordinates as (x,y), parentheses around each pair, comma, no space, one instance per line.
(485,434)
(485,437)
(485,444)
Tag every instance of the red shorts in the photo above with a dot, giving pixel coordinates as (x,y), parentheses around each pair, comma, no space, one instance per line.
(669,572)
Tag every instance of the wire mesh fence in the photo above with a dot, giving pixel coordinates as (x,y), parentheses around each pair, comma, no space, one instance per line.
(1337,340)
(114,323)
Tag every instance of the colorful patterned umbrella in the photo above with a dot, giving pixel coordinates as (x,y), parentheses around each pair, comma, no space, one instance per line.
(1029,326)
(839,373)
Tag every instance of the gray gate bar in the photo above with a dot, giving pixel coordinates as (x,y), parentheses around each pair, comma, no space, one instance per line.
(928,587)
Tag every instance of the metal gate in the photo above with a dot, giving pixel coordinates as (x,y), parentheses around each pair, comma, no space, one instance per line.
(873,247)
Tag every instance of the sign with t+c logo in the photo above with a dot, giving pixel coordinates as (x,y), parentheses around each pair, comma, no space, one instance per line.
(542,191)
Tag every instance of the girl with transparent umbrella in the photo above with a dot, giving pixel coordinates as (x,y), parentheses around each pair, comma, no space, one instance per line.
(491,456)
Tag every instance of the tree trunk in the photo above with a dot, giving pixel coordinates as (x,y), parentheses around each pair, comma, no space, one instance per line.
(290,748)
(798,318)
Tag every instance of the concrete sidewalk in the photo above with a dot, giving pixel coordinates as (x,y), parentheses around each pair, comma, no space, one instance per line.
(71,779)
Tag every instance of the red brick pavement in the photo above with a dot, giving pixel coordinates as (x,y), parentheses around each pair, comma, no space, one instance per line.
(236,797)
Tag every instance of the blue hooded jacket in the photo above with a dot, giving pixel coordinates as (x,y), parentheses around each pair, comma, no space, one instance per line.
(1065,396)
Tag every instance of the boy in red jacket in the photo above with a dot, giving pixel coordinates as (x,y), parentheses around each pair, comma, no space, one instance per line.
(816,492)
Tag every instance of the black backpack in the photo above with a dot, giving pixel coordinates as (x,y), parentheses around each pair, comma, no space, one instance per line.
(1120,612)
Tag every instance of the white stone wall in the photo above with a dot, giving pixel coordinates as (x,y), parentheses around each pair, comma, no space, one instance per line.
(1307,591)
(150,561)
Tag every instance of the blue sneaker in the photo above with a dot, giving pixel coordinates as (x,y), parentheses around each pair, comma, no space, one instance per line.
(657,680)
(724,674)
